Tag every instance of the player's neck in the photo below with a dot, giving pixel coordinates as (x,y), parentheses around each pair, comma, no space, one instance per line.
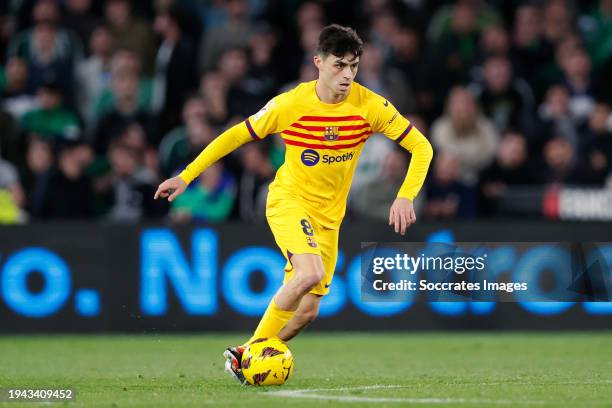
(326,95)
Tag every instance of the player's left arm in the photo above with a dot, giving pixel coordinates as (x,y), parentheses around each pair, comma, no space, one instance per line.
(385,119)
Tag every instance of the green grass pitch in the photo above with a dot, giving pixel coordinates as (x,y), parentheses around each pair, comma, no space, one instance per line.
(334,369)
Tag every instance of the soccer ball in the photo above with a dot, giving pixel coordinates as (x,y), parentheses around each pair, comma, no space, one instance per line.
(267,361)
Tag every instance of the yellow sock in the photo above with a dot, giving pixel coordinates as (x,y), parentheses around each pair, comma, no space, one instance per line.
(272,322)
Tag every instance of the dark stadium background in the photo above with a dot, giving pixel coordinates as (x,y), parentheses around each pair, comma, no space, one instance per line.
(101,100)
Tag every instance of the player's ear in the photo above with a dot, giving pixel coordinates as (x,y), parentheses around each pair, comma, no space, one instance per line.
(317,61)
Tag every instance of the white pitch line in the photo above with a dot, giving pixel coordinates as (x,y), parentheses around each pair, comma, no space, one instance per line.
(315,394)
(601,382)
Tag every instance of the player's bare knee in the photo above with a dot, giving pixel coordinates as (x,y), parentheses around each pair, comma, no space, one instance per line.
(315,276)
(307,280)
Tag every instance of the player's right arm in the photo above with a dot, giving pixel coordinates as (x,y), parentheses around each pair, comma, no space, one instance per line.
(267,121)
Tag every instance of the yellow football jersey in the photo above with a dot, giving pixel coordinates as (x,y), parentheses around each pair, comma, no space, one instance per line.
(323,143)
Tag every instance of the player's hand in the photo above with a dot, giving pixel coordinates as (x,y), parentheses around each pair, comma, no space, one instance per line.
(402,215)
(170,188)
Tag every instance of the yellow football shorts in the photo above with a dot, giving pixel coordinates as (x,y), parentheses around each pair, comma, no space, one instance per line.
(297,232)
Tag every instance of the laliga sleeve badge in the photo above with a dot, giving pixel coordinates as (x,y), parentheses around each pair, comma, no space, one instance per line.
(263,110)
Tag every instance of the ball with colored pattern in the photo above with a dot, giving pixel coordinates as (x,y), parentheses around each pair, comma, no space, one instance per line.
(267,361)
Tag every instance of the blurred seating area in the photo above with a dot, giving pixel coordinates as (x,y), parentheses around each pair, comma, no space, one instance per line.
(101,100)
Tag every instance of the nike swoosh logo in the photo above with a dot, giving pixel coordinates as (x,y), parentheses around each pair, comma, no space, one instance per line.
(326,285)
(386,103)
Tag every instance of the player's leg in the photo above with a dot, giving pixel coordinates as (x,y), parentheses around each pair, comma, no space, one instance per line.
(307,273)
(305,314)
(327,242)
(295,236)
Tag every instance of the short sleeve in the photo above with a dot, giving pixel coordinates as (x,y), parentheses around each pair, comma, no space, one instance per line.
(386,119)
(269,119)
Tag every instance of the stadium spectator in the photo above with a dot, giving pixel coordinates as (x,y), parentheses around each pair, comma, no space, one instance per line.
(93,74)
(451,18)
(455,46)
(371,162)
(185,142)
(447,196)
(371,166)
(557,20)
(596,28)
(233,65)
(388,82)
(48,55)
(234,33)
(52,120)
(309,13)
(245,95)
(495,42)
(50,50)
(406,53)
(309,36)
(576,66)
(563,165)
(531,52)
(506,100)
(210,200)
(15,97)
(126,194)
(555,120)
(175,73)
(130,33)
(463,132)
(42,11)
(299,37)
(66,191)
(79,18)
(371,199)
(553,72)
(134,137)
(197,135)
(265,66)
(124,61)
(409,57)
(13,78)
(127,108)
(214,89)
(510,168)
(254,182)
(39,159)
(385,27)
(599,138)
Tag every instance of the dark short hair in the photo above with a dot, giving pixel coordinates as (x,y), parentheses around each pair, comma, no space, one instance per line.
(339,41)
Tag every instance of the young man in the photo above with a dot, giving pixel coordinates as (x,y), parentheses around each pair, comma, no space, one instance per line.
(324,124)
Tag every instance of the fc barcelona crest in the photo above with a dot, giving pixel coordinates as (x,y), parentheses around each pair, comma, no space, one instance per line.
(332,132)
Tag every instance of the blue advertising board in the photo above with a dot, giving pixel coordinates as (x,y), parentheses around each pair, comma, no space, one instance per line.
(100,278)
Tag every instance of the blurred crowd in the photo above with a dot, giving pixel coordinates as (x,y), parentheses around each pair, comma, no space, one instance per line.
(101,100)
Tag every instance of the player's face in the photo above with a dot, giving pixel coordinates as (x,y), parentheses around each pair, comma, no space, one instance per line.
(337,73)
